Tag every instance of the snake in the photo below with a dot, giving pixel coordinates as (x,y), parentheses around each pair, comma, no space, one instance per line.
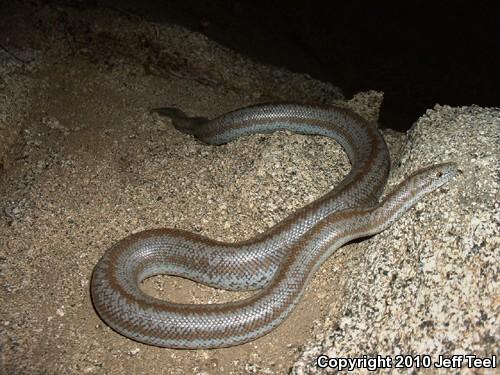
(277,263)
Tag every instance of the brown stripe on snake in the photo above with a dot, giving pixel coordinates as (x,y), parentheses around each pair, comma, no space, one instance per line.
(280,262)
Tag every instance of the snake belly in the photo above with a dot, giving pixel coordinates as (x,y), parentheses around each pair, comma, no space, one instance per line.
(278,262)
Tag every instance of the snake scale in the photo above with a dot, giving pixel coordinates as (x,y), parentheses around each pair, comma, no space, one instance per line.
(279,262)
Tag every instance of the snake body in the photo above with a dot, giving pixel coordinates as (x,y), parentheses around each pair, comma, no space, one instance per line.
(280,262)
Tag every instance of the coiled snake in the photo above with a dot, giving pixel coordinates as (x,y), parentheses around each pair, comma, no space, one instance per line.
(280,262)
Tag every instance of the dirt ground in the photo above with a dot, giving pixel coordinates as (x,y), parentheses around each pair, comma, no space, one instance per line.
(89,165)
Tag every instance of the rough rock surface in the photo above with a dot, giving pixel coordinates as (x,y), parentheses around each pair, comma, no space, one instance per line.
(429,285)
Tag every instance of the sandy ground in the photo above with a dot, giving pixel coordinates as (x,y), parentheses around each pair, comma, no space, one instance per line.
(88,165)
(92,167)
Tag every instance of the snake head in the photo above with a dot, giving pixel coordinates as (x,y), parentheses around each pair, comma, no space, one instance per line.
(431,178)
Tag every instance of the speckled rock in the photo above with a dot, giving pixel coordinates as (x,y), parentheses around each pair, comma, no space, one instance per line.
(429,284)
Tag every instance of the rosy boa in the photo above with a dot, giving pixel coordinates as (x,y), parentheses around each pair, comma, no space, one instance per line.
(280,262)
